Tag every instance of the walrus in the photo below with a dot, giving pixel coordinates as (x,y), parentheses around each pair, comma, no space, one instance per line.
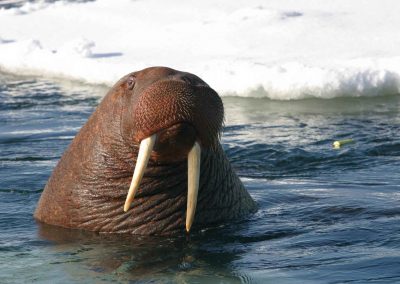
(148,161)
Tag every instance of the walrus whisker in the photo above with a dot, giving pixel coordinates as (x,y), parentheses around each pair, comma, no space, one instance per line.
(194,158)
(146,147)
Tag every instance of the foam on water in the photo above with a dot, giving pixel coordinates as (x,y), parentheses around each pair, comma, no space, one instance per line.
(279,49)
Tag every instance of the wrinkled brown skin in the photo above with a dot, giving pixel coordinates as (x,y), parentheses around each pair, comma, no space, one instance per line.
(88,187)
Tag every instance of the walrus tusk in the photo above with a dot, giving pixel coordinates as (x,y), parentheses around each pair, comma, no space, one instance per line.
(193,183)
(146,146)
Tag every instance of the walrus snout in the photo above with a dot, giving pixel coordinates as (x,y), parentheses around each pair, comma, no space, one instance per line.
(168,103)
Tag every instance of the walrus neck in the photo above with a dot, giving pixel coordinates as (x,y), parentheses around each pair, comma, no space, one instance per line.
(83,165)
(159,207)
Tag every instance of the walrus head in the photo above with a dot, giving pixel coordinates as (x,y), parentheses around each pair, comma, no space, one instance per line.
(163,126)
(172,115)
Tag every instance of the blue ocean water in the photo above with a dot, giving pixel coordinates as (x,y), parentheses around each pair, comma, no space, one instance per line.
(325,215)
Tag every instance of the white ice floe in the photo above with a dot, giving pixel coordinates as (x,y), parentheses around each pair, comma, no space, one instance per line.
(80,47)
(279,49)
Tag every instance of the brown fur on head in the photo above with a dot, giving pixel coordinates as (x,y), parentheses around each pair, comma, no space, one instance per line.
(179,107)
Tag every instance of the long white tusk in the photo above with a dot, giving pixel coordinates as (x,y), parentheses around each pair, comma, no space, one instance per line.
(146,146)
(193,183)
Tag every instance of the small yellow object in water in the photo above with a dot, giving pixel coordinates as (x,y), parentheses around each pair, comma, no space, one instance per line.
(339,143)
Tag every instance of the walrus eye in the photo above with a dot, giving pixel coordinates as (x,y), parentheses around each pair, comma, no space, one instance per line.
(131,82)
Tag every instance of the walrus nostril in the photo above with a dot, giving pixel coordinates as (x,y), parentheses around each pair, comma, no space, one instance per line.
(190,79)
(194,81)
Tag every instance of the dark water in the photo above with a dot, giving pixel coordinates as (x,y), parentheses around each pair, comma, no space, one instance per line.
(326,216)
